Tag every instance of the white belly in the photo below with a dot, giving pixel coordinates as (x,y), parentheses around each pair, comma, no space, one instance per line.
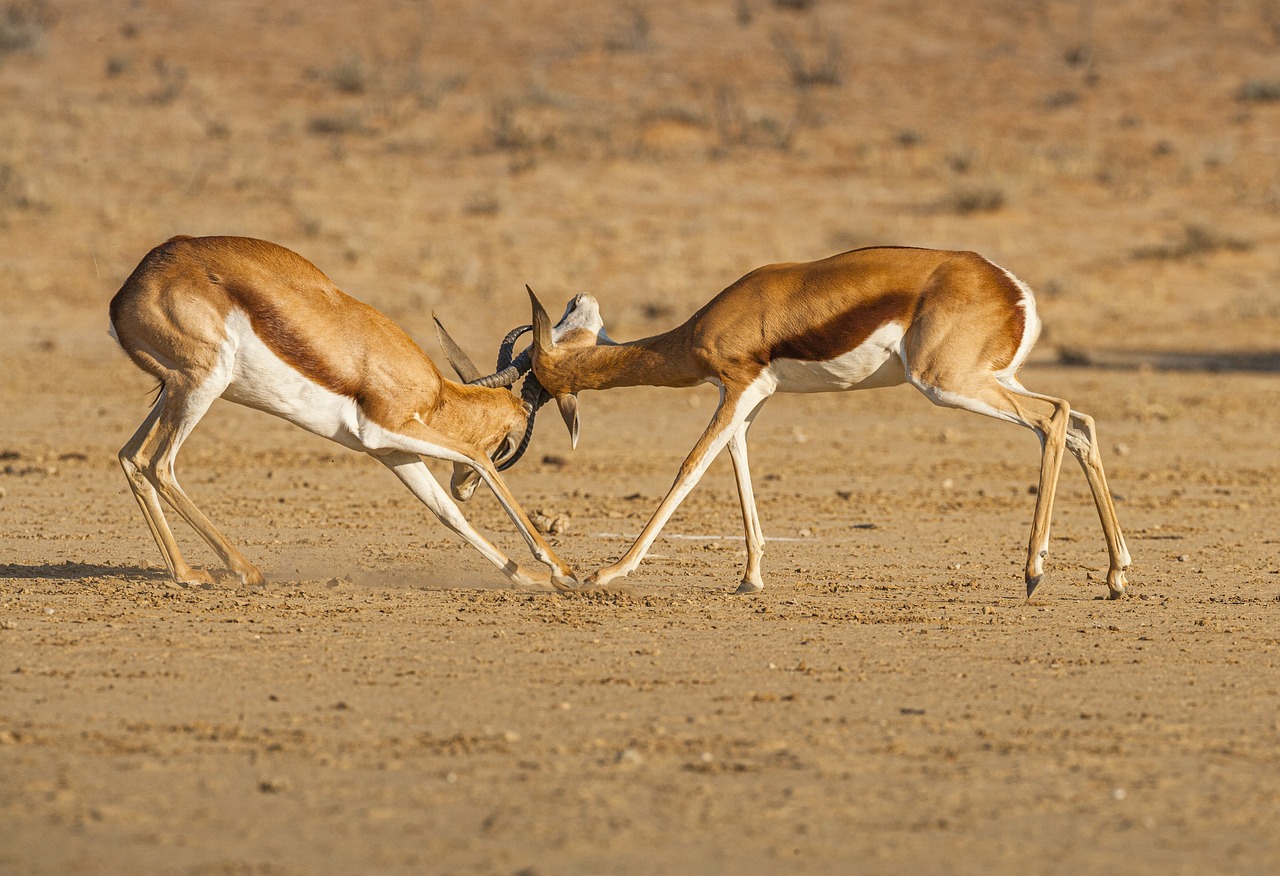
(260,379)
(873,363)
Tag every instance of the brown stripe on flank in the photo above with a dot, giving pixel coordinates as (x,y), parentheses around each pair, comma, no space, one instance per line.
(275,330)
(846,331)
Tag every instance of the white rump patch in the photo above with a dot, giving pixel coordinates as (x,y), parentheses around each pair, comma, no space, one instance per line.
(873,363)
(1031,325)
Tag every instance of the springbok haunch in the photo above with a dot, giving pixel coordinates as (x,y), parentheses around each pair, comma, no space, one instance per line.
(952,324)
(257,324)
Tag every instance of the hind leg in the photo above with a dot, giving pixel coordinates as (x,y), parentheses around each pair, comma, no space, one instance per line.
(1082,441)
(993,399)
(149,501)
(154,458)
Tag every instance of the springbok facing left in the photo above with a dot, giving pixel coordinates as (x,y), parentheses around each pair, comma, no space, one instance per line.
(257,324)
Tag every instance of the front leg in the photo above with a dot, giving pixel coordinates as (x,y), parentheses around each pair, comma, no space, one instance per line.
(417,477)
(422,440)
(734,408)
(752,581)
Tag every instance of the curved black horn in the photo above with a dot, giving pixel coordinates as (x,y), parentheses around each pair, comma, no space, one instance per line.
(509,370)
(506,350)
(534,397)
(505,377)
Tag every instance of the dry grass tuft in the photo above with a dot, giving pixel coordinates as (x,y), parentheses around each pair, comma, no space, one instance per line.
(1196,240)
(23,25)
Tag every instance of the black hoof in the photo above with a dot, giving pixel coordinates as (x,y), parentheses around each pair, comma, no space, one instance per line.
(1032,584)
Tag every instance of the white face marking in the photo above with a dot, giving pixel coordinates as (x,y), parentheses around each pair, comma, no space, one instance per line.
(583,312)
(873,363)
(262,380)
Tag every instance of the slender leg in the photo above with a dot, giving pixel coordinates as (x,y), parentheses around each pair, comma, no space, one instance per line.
(752,582)
(149,501)
(1053,439)
(410,469)
(422,440)
(729,417)
(1082,441)
(179,416)
(1004,402)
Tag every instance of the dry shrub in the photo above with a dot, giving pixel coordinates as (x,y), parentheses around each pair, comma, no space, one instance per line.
(1260,91)
(821,63)
(24,24)
(973,199)
(1195,240)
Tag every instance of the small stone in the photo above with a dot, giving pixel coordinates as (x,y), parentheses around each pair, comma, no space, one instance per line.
(629,757)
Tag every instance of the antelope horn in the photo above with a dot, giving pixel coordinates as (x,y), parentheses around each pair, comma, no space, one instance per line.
(541,323)
(507,348)
(462,365)
(519,367)
(505,377)
(534,397)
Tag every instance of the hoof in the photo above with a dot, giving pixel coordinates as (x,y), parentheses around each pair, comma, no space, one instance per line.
(602,577)
(1032,583)
(564,583)
(1117,585)
(196,577)
(749,587)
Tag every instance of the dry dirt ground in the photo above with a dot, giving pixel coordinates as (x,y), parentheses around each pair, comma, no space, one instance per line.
(890,703)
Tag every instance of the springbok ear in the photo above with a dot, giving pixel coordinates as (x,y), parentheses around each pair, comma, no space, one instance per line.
(462,365)
(568,404)
(541,323)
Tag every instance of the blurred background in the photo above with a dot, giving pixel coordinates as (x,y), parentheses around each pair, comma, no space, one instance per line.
(1121,157)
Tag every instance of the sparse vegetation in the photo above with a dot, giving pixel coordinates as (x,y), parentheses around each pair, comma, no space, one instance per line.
(633,34)
(1195,240)
(736,127)
(350,75)
(966,200)
(13,189)
(1260,91)
(389,76)
(118,65)
(820,64)
(23,24)
(505,131)
(483,204)
(337,123)
(170,81)
(909,138)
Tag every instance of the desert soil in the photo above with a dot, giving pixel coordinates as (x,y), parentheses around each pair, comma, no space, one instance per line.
(890,702)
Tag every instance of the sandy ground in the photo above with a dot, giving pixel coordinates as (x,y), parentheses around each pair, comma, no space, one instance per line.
(890,703)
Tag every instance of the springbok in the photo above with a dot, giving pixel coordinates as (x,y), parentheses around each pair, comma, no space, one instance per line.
(952,324)
(257,324)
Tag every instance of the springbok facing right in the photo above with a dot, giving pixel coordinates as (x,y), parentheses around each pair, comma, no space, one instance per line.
(952,324)
(257,324)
